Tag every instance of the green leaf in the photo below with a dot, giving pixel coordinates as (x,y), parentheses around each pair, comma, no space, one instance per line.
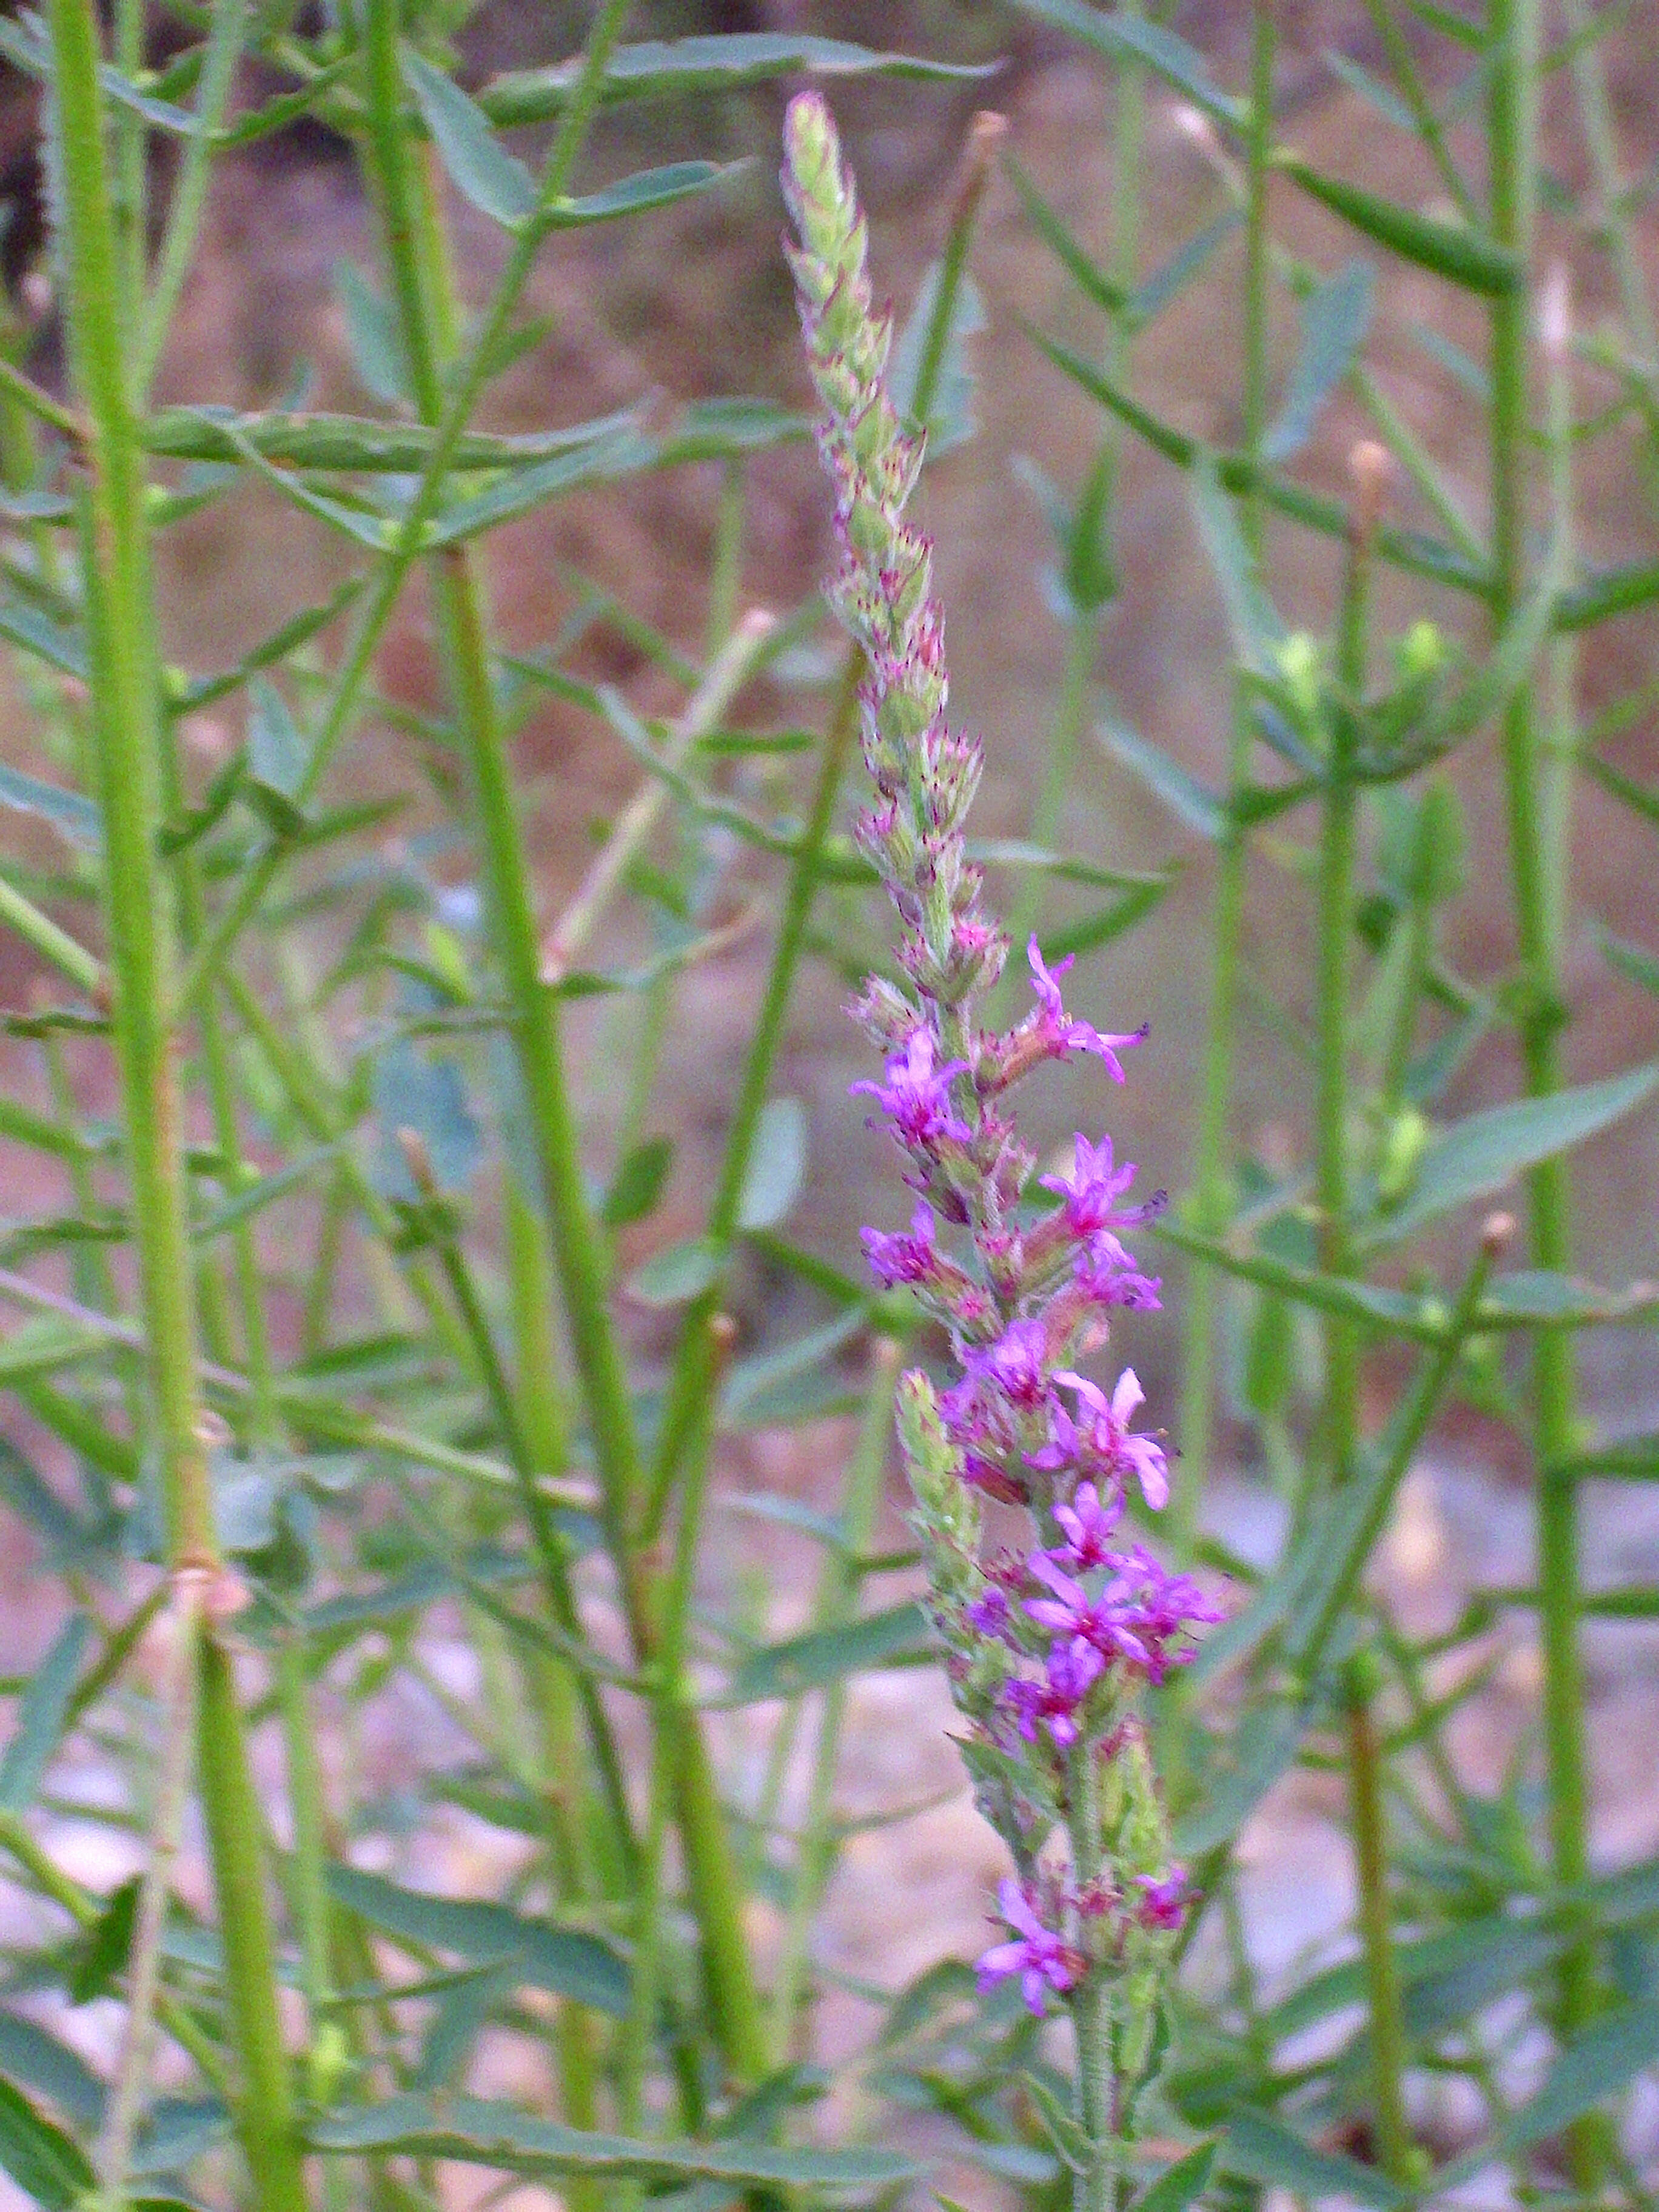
(636,1188)
(36,633)
(622,452)
(1382,98)
(1632,961)
(276,755)
(1167,284)
(42,1345)
(1479,1156)
(42,1712)
(44,2162)
(1256,629)
(1093,282)
(563,1960)
(1091,931)
(646,188)
(1133,38)
(428,1095)
(1189,801)
(677,1274)
(339,442)
(75,817)
(795,1381)
(903,1636)
(21,1125)
(299,631)
(372,337)
(1259,2148)
(1460,255)
(1594,2067)
(777,1166)
(34,2059)
(950,418)
(1180,2184)
(480,2133)
(102,1952)
(479,167)
(1264,1750)
(1335,316)
(1642,798)
(1065,2136)
(660,68)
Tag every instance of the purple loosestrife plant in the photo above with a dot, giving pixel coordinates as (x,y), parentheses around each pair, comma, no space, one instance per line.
(1049,1650)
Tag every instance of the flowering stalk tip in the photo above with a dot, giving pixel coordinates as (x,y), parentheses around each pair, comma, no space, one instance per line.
(1048,1650)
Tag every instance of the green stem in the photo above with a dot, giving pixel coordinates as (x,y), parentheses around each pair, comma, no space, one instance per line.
(837,1598)
(578,1247)
(1385,2022)
(1094,2188)
(121,631)
(235,1833)
(1210,1200)
(1515,33)
(1336,868)
(460,395)
(224,48)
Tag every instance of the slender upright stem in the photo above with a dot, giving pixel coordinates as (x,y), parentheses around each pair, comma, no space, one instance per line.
(1515,33)
(1386,2020)
(1209,1150)
(121,631)
(838,1597)
(1336,868)
(1094,2187)
(144,1970)
(579,1249)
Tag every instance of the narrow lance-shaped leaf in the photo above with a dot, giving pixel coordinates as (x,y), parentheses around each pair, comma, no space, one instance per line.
(479,167)
(1335,316)
(663,69)
(1460,255)
(1125,37)
(1479,1156)
(480,2133)
(777,1165)
(1596,2065)
(900,1637)
(566,1961)
(47,2164)
(646,188)
(41,1716)
(1251,616)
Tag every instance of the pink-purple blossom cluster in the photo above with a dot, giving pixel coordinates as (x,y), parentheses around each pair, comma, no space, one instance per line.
(1047,1650)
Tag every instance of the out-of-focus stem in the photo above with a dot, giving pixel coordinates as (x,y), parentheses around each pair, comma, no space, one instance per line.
(1210,1150)
(1385,2022)
(121,637)
(1515,29)
(861,1502)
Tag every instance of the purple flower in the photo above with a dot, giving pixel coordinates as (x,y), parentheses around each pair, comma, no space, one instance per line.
(1017,1363)
(1092,1191)
(916,1095)
(1058,1033)
(1106,1624)
(1107,1442)
(904,1256)
(1087,1522)
(989,1615)
(1107,1275)
(1043,1960)
(1166,1605)
(1166,1900)
(1069,1673)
